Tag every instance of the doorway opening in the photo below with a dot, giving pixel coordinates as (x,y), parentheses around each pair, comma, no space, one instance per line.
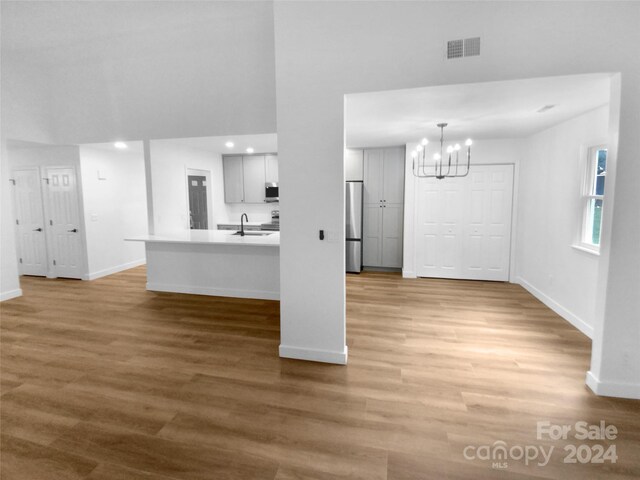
(199,193)
(518,217)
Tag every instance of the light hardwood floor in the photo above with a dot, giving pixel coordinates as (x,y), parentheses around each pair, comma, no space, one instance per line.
(103,380)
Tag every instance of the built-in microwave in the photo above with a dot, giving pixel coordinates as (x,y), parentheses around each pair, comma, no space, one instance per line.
(271,192)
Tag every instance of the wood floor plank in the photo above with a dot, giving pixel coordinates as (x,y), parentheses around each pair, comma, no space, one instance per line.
(105,380)
(24,460)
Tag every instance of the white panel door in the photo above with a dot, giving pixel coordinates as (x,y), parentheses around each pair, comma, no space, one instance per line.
(233,182)
(440,213)
(487,241)
(31,241)
(464,225)
(254,178)
(64,222)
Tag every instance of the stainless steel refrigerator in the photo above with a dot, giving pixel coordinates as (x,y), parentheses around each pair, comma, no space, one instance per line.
(353,227)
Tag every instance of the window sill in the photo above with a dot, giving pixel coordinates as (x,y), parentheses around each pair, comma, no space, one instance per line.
(587,249)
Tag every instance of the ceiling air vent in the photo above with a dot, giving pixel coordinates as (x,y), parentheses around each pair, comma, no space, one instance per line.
(467,47)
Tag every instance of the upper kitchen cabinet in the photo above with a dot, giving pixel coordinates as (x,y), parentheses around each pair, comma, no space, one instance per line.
(254,178)
(271,168)
(373,175)
(393,175)
(233,179)
(384,175)
(245,177)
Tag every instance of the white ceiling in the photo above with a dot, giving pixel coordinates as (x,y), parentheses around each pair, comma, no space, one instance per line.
(55,32)
(505,109)
(132,147)
(262,143)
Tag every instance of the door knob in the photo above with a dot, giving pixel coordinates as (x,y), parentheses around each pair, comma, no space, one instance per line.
(37,229)
(73,230)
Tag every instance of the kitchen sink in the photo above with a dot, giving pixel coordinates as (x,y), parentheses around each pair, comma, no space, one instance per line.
(253,233)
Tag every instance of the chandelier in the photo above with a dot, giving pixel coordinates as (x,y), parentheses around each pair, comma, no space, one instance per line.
(440,168)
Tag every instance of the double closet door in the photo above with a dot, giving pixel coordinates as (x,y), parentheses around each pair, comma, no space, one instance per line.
(48,237)
(464,225)
(383,207)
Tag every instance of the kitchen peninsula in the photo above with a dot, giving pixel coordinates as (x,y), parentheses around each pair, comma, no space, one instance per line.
(214,262)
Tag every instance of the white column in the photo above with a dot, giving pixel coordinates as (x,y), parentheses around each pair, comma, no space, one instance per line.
(146,145)
(615,360)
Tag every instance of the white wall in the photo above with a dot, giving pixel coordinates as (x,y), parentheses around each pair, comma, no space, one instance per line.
(255,212)
(9,279)
(115,208)
(26,101)
(25,115)
(173,69)
(169,164)
(392,45)
(484,152)
(615,360)
(353,164)
(550,218)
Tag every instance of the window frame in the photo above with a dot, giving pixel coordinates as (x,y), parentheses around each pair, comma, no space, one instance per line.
(588,196)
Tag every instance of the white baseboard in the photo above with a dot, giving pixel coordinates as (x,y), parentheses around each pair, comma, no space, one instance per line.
(10,294)
(116,269)
(408,274)
(611,389)
(214,292)
(569,316)
(314,355)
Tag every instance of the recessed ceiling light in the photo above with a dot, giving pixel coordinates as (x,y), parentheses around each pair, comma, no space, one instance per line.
(249,150)
(545,108)
(229,144)
(120,145)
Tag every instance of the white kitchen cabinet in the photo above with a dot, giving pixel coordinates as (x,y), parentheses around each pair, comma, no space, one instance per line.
(383,207)
(373,172)
(245,177)
(372,234)
(254,178)
(393,175)
(271,168)
(233,179)
(392,226)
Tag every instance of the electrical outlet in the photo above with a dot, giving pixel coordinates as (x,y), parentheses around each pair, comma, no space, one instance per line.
(94,217)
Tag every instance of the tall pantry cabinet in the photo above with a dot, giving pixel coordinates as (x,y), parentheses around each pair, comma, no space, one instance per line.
(383,207)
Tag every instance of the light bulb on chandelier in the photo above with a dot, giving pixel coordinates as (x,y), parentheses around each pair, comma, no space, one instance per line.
(441,168)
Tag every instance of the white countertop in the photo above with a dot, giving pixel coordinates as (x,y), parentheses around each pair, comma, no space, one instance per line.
(248,224)
(215,237)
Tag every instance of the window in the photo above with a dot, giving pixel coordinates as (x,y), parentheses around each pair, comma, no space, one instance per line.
(593,196)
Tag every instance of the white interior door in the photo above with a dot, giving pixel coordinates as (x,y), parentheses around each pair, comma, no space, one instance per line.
(464,225)
(31,241)
(63,211)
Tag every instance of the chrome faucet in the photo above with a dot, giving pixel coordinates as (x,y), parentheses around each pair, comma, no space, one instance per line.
(242,218)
